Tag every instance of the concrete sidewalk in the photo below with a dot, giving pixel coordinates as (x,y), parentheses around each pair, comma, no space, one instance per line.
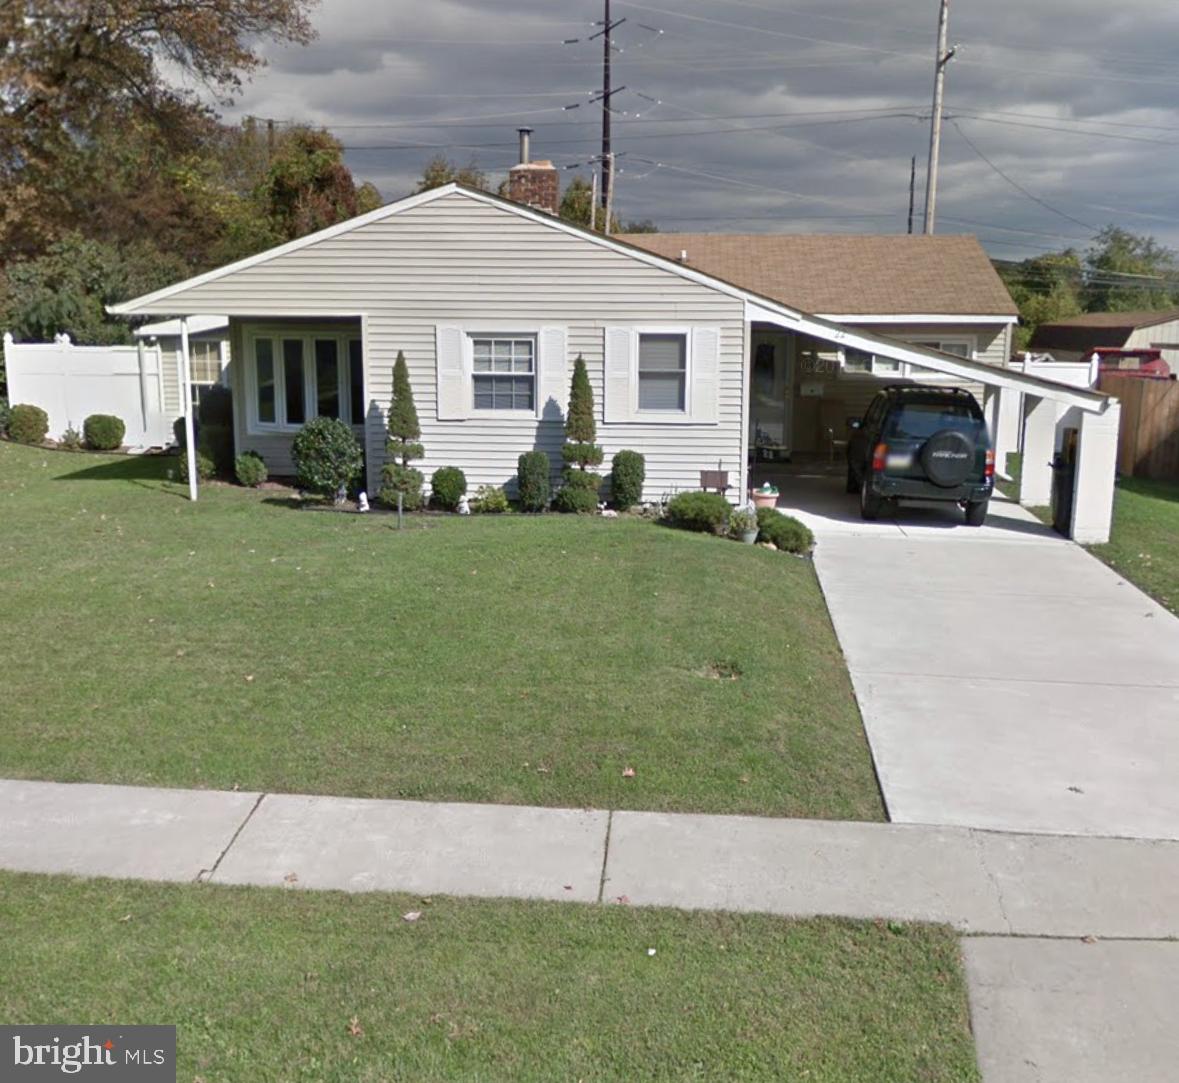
(976,881)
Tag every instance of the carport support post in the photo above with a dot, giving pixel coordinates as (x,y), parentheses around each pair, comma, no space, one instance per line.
(1039,445)
(186,399)
(1097,459)
(992,411)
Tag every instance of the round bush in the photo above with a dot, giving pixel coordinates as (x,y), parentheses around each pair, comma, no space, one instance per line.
(705,512)
(103,432)
(533,480)
(490,500)
(250,469)
(327,456)
(27,424)
(786,533)
(447,487)
(178,430)
(205,466)
(405,480)
(574,499)
(629,471)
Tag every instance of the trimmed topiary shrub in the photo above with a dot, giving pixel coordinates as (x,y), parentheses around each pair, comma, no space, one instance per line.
(404,480)
(103,432)
(217,442)
(786,533)
(582,479)
(27,424)
(577,499)
(205,467)
(532,479)
(250,469)
(490,500)
(705,512)
(178,430)
(5,412)
(327,457)
(627,474)
(447,487)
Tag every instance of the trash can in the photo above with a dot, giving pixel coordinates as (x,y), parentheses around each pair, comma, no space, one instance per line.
(1064,483)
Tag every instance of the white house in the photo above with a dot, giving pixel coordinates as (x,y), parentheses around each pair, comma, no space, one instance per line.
(491,301)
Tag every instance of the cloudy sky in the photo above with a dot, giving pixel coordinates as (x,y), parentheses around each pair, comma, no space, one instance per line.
(751,116)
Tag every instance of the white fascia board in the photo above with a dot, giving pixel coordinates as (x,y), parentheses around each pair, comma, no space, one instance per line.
(926,317)
(136,305)
(989,375)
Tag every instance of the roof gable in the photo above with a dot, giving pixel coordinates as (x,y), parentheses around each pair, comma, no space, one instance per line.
(846,274)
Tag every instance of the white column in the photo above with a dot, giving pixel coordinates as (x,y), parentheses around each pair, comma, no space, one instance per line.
(186,403)
(1097,460)
(1039,445)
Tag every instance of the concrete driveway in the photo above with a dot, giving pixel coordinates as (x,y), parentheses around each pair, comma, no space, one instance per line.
(1007,679)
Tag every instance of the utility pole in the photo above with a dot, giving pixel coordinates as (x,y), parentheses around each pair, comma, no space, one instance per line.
(935,123)
(912,188)
(610,197)
(593,199)
(606,185)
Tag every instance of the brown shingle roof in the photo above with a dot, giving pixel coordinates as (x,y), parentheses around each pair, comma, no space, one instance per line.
(843,274)
(1093,329)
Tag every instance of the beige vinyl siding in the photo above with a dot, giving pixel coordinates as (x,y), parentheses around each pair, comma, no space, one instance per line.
(459,261)
(1166,334)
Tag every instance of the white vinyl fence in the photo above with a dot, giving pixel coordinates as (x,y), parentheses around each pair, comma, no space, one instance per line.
(72,382)
(1009,431)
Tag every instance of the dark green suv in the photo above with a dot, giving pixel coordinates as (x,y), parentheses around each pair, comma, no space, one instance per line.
(922,443)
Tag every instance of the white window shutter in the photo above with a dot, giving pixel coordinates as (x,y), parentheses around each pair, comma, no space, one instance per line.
(705,373)
(552,382)
(453,389)
(620,374)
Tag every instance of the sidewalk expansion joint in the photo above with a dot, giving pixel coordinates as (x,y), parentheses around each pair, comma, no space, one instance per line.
(605,855)
(207,874)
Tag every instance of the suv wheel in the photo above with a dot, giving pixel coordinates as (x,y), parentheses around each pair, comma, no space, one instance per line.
(976,512)
(853,486)
(870,503)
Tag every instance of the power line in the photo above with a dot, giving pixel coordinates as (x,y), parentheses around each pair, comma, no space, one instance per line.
(1016,185)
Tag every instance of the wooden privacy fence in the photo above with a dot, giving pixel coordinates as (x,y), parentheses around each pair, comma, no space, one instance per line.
(1148,443)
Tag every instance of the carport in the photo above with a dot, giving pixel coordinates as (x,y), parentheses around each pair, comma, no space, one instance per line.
(1050,409)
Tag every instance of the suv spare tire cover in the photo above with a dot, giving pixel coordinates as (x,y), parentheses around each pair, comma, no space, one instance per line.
(948,457)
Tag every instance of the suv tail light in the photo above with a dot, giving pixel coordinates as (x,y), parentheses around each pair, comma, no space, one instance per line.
(989,472)
(878,457)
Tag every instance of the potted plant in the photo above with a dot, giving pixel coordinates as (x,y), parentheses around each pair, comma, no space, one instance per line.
(765,497)
(743,525)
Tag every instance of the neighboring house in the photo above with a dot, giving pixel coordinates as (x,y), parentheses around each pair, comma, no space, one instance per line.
(1078,336)
(208,348)
(936,291)
(491,301)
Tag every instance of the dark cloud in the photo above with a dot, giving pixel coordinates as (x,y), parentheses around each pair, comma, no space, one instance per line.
(799,116)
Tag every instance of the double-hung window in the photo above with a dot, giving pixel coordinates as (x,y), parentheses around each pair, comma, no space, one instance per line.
(298,377)
(663,372)
(503,372)
(867,364)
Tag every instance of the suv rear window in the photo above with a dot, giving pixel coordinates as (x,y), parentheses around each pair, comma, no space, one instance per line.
(920,420)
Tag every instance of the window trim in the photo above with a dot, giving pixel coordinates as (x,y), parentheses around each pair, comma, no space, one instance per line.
(517,333)
(685,332)
(905,368)
(277,333)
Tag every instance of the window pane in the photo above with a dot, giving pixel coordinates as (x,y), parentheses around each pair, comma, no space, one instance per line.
(264,367)
(962,349)
(496,392)
(661,390)
(356,361)
(885,365)
(522,392)
(327,378)
(292,372)
(857,361)
(503,351)
(662,353)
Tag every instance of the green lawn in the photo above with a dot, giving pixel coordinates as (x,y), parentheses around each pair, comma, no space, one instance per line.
(241,642)
(1144,544)
(264,984)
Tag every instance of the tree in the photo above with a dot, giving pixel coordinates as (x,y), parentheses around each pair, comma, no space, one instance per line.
(1045,288)
(580,451)
(66,289)
(440,170)
(1128,271)
(69,69)
(401,483)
